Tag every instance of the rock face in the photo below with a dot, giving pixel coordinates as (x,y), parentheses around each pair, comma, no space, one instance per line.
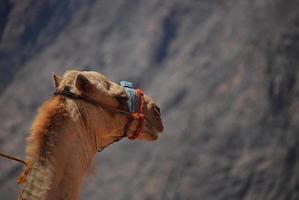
(225,74)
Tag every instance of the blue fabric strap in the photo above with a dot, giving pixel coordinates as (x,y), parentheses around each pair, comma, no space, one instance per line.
(133,100)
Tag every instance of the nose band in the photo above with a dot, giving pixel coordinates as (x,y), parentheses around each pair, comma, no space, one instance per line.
(133,101)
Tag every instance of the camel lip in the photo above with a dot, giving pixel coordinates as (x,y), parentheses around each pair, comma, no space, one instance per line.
(156,129)
(153,134)
(152,130)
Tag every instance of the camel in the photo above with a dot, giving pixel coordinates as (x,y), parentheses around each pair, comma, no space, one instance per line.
(67,132)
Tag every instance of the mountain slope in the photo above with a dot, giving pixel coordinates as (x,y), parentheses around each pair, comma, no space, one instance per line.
(225,75)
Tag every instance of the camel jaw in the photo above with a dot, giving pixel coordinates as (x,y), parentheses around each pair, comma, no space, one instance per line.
(150,132)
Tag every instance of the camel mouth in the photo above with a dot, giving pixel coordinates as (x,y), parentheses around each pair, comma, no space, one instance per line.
(151,130)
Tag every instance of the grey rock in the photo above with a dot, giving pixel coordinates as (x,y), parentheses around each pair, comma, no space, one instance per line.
(225,74)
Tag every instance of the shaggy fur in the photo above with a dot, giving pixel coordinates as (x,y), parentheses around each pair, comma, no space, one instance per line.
(66,134)
(39,143)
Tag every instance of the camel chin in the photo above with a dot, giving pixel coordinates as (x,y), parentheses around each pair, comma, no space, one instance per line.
(149,133)
(147,136)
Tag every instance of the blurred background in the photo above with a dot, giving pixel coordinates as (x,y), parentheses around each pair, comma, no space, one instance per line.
(224,73)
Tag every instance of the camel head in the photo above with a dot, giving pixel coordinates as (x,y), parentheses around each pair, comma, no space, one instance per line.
(97,87)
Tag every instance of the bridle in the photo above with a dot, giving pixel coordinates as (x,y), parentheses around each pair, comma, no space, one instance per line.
(138,114)
(134,114)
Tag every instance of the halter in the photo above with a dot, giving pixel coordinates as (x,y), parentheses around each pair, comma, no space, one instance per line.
(136,112)
(135,105)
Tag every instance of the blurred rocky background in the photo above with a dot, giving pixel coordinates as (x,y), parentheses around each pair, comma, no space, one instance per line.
(225,74)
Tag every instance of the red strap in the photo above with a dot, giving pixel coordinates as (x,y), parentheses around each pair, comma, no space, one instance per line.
(138,116)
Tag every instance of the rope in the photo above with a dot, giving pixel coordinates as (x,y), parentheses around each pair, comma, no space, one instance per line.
(137,116)
(13,158)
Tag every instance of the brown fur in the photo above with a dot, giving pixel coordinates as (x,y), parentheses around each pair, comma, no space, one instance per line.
(52,121)
(51,113)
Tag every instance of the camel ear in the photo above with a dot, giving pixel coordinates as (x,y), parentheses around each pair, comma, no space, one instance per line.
(83,84)
(57,80)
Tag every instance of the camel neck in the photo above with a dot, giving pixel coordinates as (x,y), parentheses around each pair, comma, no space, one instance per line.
(69,169)
(55,179)
(59,170)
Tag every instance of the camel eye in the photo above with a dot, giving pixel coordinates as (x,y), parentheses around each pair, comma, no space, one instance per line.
(122,100)
(157,110)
